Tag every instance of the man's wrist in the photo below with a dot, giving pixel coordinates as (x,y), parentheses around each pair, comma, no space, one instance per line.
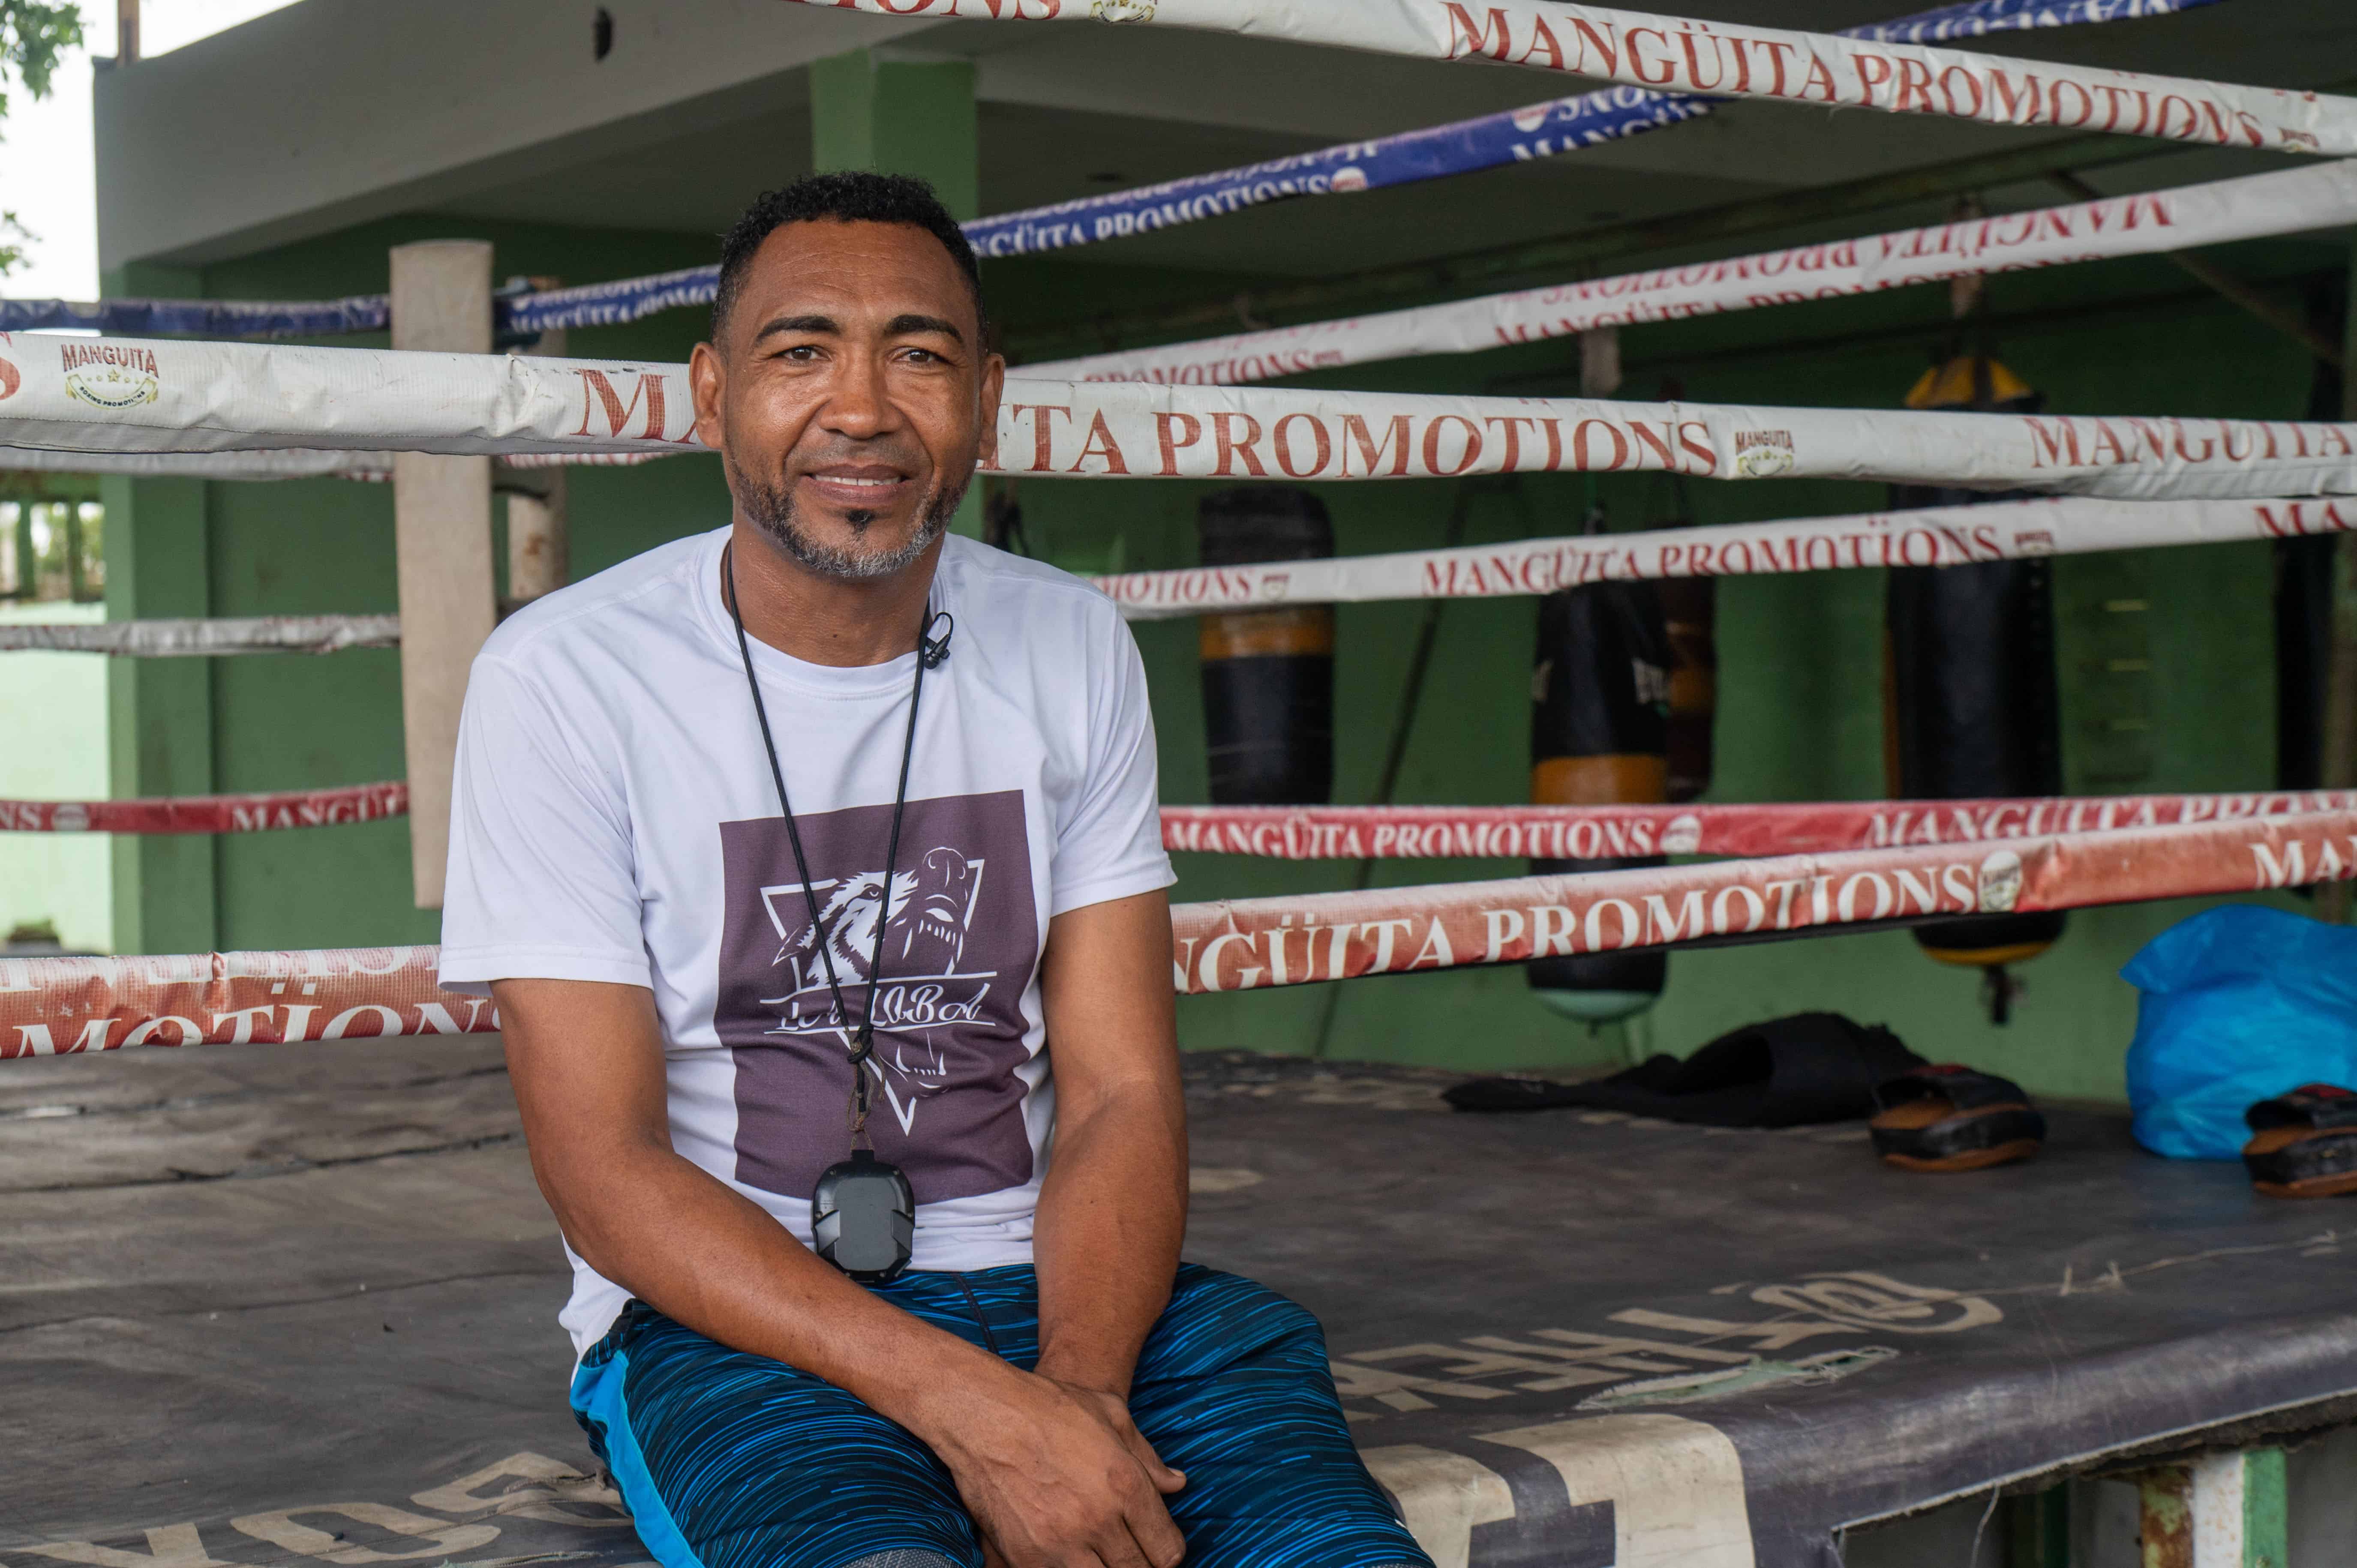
(1098,1373)
(975,1394)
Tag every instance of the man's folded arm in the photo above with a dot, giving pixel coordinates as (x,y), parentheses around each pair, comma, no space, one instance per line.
(1113,1208)
(587,1060)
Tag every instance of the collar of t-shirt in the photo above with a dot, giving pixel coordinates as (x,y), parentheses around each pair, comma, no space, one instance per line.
(775,666)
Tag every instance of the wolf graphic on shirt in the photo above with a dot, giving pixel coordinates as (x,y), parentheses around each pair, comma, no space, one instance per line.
(920,994)
(959,931)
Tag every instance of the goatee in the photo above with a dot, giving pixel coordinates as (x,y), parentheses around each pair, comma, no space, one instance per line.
(771,508)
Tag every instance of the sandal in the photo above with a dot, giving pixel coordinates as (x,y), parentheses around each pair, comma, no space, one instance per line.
(1949,1118)
(2306,1144)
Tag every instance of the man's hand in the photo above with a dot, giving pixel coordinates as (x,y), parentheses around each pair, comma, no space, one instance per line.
(1056,1475)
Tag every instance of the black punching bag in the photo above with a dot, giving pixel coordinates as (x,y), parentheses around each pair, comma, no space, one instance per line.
(1268,675)
(1600,735)
(1972,707)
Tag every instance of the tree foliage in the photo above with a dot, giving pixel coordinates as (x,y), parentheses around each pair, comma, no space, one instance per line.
(32,35)
(12,237)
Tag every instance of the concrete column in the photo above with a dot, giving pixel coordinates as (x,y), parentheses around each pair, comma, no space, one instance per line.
(898,116)
(159,711)
(442,530)
(539,552)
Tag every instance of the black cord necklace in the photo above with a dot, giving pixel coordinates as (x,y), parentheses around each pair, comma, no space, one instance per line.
(863,1213)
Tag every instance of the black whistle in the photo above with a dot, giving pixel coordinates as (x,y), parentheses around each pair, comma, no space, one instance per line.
(863,1218)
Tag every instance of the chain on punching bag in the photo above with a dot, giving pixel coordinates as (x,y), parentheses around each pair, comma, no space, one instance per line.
(2303,598)
(1689,614)
(1268,675)
(1599,722)
(1970,707)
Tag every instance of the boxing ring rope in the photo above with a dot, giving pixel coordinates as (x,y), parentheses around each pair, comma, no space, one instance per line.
(1739,60)
(1590,832)
(1367,832)
(63,1005)
(1464,147)
(158,397)
(2163,220)
(1928,536)
(2254,207)
(162,396)
(322,463)
(201,638)
(324,808)
(202,317)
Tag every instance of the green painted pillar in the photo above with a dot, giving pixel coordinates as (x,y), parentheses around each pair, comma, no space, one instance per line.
(159,711)
(869,111)
(899,117)
(2267,1508)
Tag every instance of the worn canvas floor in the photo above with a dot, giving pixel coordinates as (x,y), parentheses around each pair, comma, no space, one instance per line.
(275,1303)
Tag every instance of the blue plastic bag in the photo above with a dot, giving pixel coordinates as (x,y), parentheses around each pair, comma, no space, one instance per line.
(2239,1004)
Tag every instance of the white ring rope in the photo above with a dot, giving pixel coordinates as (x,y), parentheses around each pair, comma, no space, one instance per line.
(1732,60)
(2285,202)
(128,395)
(1930,536)
(198,638)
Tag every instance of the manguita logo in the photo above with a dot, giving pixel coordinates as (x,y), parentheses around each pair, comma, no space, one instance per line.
(1763,454)
(110,375)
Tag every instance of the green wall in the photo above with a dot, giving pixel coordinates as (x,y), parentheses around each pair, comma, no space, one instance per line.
(49,705)
(1800,693)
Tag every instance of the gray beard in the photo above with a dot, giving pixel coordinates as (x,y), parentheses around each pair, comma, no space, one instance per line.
(773,511)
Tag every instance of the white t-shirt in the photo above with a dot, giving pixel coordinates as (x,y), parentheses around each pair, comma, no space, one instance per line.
(614,820)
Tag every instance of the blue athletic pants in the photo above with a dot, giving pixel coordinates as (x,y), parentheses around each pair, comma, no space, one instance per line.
(730,1460)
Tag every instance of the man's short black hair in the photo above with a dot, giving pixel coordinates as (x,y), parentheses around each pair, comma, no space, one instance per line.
(849,196)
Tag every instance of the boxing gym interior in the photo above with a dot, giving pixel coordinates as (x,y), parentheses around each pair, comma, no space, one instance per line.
(1772,1031)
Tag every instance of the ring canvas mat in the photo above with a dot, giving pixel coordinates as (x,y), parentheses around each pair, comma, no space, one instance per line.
(271,1305)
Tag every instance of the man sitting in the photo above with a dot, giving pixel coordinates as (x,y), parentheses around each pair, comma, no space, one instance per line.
(790,851)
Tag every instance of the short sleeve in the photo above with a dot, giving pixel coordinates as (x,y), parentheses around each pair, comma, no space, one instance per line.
(1109,839)
(541,880)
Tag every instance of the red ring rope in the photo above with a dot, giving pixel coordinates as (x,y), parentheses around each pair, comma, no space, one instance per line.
(59,1006)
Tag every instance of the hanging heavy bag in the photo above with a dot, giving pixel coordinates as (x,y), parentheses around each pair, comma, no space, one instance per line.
(1599,712)
(1971,708)
(1268,675)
